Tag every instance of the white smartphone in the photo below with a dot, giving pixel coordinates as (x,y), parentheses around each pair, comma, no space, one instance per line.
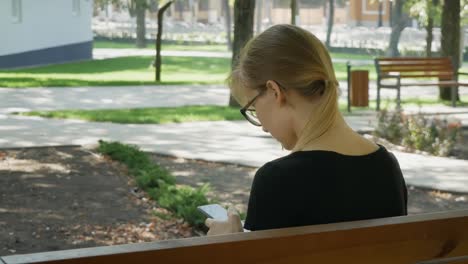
(214,211)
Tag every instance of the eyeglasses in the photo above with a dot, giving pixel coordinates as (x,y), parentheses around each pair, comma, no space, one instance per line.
(251,114)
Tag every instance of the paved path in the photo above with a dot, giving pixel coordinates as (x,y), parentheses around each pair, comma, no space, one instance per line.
(236,142)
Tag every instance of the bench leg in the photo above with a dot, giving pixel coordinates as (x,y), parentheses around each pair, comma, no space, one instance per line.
(378,98)
(398,98)
(453,96)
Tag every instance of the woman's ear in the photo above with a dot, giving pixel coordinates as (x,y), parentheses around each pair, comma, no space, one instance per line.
(279,93)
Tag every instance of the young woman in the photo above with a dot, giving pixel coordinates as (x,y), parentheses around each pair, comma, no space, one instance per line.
(286,84)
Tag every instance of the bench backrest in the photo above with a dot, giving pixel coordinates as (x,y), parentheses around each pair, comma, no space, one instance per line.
(410,239)
(415,67)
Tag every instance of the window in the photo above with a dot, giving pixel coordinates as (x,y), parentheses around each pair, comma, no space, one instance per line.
(76,7)
(16,11)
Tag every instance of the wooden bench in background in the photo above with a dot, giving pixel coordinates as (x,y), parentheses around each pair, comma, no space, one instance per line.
(416,68)
(426,238)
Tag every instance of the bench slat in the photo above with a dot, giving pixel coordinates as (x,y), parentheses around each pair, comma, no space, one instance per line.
(416,75)
(404,59)
(410,68)
(415,67)
(388,240)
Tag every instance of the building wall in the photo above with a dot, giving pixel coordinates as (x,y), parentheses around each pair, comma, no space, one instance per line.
(47,31)
(308,16)
(366,12)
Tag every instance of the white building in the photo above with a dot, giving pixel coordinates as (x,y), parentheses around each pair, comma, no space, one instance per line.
(35,32)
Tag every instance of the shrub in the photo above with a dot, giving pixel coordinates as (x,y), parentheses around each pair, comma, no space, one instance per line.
(436,136)
(159,183)
(183,201)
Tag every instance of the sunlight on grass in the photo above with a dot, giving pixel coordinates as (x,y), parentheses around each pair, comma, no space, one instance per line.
(120,71)
(164,115)
(137,70)
(161,115)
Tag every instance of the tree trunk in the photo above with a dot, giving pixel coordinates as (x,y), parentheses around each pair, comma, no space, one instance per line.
(450,40)
(268,10)
(244,11)
(331,15)
(141,24)
(398,24)
(227,14)
(259,16)
(380,22)
(293,11)
(157,63)
(429,37)
(431,7)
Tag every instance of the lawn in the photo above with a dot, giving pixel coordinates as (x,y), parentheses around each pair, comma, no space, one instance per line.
(163,115)
(128,71)
(136,70)
(160,115)
(119,71)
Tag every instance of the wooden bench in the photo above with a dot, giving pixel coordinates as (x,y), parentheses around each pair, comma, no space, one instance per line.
(425,238)
(416,68)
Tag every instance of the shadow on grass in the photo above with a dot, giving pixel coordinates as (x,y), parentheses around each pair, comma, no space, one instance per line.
(136,63)
(52,82)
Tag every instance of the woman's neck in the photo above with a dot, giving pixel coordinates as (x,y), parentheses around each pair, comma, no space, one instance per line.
(342,139)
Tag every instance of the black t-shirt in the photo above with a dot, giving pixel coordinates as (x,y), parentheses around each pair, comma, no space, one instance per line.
(321,187)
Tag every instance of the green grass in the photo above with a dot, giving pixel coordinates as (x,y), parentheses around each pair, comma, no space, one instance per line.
(158,182)
(160,115)
(105,44)
(135,70)
(119,71)
(164,115)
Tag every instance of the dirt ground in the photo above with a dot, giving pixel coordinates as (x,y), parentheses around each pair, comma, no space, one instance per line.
(70,197)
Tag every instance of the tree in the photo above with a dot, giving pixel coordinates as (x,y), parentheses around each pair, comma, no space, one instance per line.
(259,16)
(294,12)
(380,22)
(135,8)
(244,11)
(427,12)
(138,8)
(398,23)
(227,15)
(450,41)
(157,62)
(331,15)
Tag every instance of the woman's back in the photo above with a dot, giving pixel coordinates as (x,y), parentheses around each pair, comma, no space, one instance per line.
(320,187)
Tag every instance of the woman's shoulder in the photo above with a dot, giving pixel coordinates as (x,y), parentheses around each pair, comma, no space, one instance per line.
(317,158)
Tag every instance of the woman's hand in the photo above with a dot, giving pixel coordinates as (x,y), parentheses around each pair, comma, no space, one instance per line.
(232,225)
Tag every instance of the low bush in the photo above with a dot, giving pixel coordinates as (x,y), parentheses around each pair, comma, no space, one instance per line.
(434,135)
(159,183)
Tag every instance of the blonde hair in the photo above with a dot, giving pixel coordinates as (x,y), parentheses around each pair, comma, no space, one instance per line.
(296,59)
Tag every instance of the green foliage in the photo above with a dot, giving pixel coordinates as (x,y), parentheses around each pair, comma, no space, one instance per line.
(423,9)
(183,201)
(158,182)
(130,155)
(390,125)
(436,136)
(464,12)
(158,115)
